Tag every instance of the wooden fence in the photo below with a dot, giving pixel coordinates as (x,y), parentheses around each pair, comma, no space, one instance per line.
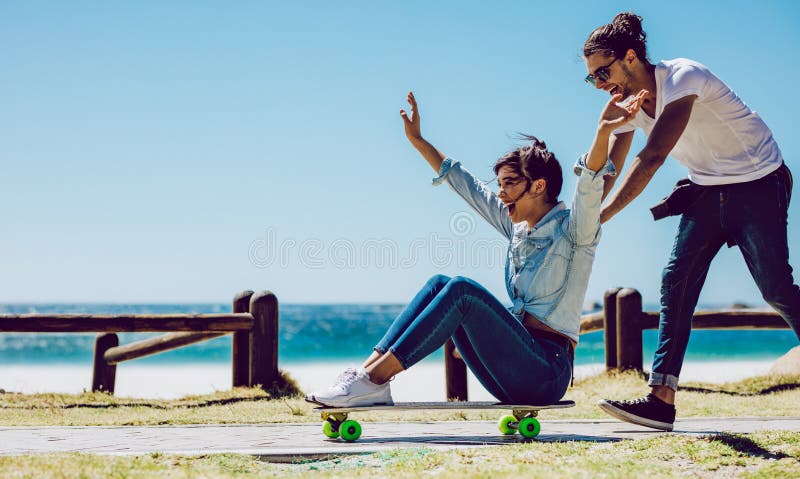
(623,322)
(253,325)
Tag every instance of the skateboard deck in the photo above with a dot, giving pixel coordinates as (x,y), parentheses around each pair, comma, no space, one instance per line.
(522,419)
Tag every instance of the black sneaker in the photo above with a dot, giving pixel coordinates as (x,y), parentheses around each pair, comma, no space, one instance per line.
(647,411)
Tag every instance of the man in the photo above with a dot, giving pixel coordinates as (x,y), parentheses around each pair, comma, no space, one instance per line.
(738,191)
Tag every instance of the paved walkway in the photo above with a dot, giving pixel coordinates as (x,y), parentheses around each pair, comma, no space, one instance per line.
(288,442)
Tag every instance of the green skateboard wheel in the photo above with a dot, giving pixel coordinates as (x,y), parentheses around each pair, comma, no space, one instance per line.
(529,427)
(350,430)
(327,429)
(505,424)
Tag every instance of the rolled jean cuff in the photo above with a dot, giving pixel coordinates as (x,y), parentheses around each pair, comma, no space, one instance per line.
(380,349)
(402,359)
(668,380)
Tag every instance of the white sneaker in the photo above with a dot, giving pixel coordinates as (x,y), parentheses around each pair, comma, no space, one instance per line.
(343,378)
(353,388)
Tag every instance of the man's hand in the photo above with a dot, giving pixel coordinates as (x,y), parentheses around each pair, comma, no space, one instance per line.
(617,112)
(411,123)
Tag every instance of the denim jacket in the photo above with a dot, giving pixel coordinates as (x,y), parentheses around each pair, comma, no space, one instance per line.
(547,269)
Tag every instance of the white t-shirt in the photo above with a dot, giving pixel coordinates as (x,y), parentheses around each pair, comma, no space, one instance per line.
(725,141)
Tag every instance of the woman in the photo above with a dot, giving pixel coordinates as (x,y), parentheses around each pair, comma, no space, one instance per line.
(521,355)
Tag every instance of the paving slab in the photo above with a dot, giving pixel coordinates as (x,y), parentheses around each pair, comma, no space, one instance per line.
(293,442)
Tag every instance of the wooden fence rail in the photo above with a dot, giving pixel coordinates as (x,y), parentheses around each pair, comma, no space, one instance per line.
(623,322)
(147,347)
(104,323)
(253,324)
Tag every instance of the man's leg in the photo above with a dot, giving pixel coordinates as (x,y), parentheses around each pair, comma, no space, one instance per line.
(699,239)
(700,236)
(758,211)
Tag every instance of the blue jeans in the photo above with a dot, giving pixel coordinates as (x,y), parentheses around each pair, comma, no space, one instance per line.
(511,364)
(751,215)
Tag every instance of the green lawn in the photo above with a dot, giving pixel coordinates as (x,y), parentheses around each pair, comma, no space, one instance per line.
(763,454)
(759,455)
(777,396)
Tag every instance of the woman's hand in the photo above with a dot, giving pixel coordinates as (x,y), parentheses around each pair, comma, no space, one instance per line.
(411,123)
(433,156)
(616,114)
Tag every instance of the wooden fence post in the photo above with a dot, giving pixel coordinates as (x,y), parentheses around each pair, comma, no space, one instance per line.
(455,372)
(240,352)
(104,375)
(610,327)
(629,329)
(264,339)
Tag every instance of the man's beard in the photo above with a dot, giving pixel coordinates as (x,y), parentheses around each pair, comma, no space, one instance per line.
(626,87)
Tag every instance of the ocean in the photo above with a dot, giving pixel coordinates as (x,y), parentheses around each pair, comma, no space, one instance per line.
(315,342)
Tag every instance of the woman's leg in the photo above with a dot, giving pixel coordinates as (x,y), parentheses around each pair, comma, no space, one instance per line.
(473,362)
(532,371)
(369,384)
(494,344)
(500,350)
(420,301)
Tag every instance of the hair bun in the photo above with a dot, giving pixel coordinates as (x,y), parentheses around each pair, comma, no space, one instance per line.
(629,24)
(616,38)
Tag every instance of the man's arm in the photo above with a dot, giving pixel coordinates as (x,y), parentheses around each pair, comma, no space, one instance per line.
(666,133)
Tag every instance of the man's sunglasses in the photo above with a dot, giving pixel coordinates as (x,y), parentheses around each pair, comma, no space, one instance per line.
(601,74)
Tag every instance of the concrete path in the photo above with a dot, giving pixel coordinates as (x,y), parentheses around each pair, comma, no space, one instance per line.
(291,442)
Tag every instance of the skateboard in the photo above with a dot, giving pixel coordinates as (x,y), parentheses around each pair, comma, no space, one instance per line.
(523,417)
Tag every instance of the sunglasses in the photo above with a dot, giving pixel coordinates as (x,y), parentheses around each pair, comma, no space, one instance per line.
(601,74)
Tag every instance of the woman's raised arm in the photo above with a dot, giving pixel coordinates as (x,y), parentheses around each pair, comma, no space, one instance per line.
(471,189)
(414,135)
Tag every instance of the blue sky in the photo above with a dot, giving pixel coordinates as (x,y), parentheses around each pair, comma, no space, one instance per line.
(183,151)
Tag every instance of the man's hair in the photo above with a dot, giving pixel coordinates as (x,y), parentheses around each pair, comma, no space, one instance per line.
(616,38)
(534,161)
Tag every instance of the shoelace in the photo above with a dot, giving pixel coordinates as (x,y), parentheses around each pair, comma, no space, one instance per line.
(346,378)
(638,401)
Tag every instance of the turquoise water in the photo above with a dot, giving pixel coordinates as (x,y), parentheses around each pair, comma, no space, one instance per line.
(344,332)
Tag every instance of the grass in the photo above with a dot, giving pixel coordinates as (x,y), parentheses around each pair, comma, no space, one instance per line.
(757,455)
(764,454)
(777,396)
